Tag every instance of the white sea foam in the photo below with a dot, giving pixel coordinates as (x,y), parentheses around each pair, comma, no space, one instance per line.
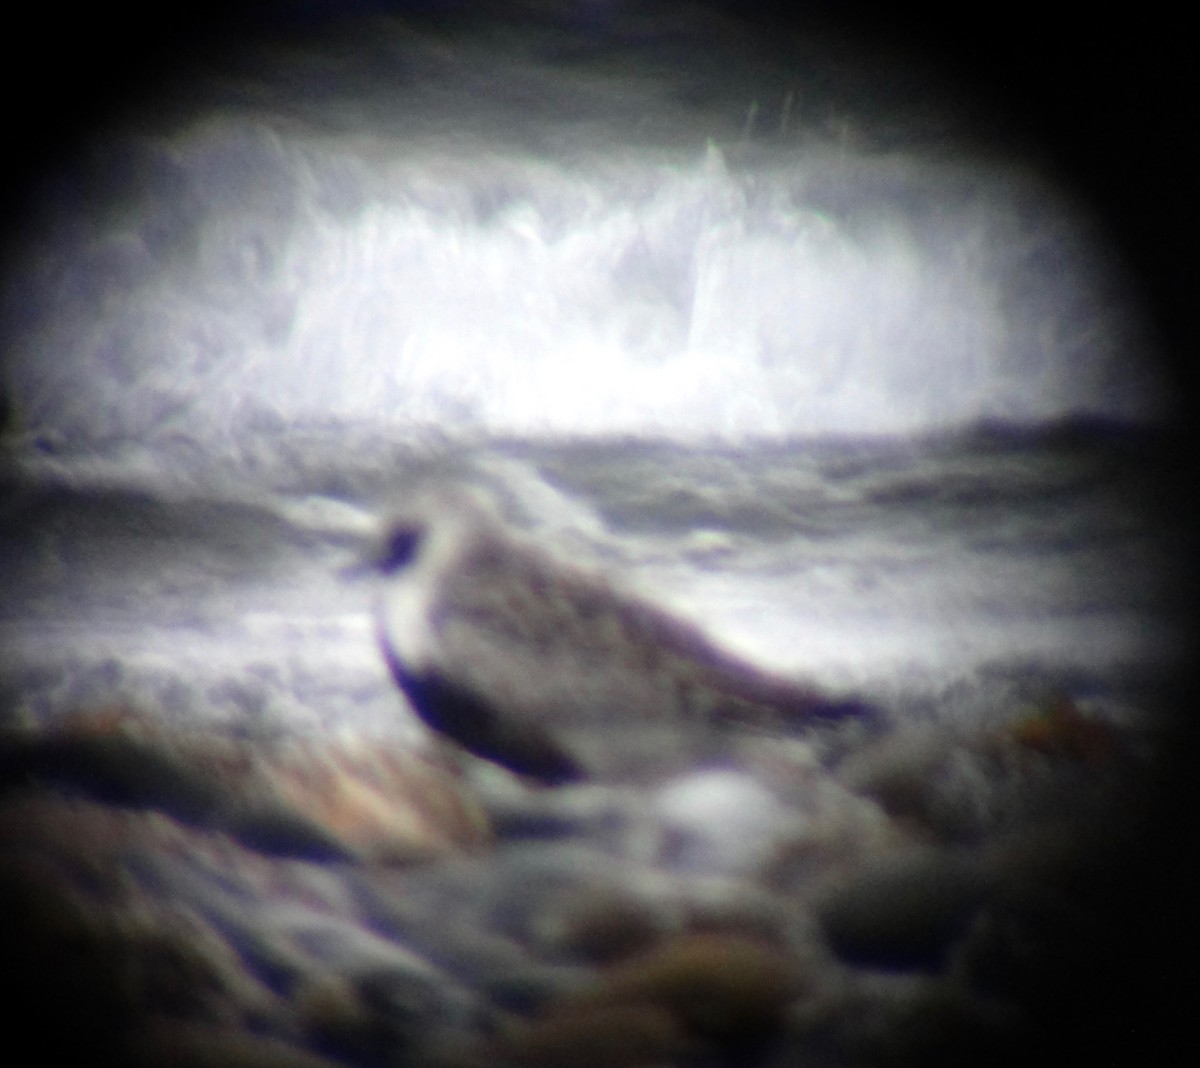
(256,275)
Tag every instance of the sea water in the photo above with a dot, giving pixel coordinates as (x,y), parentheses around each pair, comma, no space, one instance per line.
(875,566)
(810,379)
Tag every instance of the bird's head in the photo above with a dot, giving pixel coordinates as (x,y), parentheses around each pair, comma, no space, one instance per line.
(424,532)
(420,550)
(392,550)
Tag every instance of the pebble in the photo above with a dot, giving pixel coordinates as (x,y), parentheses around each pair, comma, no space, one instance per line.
(720,821)
(599,925)
(93,954)
(1060,728)
(569,904)
(902,909)
(346,797)
(213,899)
(382,803)
(191,1045)
(717,987)
(599,1036)
(898,769)
(900,1020)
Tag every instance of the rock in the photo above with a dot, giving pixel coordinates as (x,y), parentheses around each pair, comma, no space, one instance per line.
(596,1036)
(95,955)
(462,942)
(902,909)
(720,821)
(384,1016)
(733,909)
(191,1045)
(1060,729)
(383,802)
(900,1020)
(719,988)
(897,769)
(570,904)
(599,925)
(117,757)
(324,798)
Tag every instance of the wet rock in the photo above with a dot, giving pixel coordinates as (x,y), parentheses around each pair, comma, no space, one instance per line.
(733,909)
(600,925)
(587,811)
(113,757)
(960,784)
(324,798)
(902,909)
(1060,728)
(720,821)
(953,786)
(383,802)
(899,1020)
(898,769)
(217,896)
(719,988)
(462,943)
(331,1012)
(381,1017)
(570,904)
(399,906)
(94,954)
(600,1036)
(190,1045)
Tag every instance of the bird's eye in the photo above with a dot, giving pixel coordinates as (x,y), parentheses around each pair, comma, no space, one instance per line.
(399,551)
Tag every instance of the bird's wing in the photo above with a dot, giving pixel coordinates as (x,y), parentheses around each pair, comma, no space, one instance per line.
(556,645)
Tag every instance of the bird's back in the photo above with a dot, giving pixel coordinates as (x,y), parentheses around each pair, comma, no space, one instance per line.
(565,646)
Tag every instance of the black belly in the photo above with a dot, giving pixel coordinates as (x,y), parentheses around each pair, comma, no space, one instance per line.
(503,737)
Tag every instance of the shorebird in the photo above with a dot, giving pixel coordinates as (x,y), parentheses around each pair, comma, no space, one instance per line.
(500,646)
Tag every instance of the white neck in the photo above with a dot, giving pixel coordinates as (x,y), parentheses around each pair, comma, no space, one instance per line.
(407,599)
